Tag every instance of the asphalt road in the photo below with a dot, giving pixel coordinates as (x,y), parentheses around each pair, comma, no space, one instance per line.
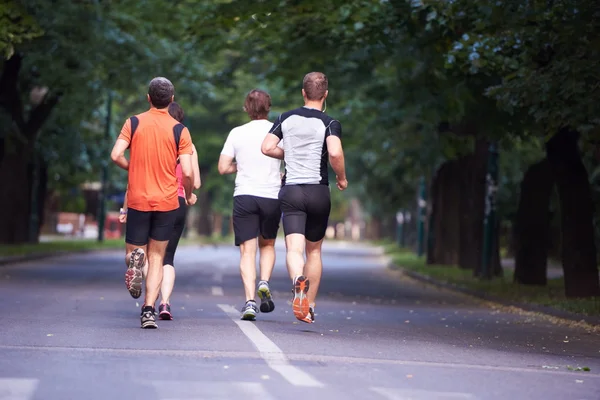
(70,330)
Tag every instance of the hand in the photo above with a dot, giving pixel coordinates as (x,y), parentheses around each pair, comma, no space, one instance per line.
(342,184)
(191,199)
(122,215)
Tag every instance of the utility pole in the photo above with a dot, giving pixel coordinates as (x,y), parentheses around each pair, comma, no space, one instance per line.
(104,179)
(422,214)
(489,219)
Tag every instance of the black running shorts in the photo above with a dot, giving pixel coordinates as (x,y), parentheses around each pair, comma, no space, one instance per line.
(180,217)
(144,225)
(305,210)
(254,215)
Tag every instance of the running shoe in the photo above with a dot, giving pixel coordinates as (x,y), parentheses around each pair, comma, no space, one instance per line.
(266,300)
(300,303)
(164,312)
(133,275)
(249,311)
(148,319)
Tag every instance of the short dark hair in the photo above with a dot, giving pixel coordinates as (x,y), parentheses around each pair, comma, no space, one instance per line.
(161,92)
(315,85)
(176,111)
(257,104)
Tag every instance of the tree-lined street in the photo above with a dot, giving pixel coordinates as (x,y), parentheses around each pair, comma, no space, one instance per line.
(71,330)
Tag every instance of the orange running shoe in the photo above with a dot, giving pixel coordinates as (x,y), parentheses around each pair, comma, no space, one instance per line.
(300,304)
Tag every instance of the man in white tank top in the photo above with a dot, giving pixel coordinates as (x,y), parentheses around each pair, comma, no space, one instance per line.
(256,211)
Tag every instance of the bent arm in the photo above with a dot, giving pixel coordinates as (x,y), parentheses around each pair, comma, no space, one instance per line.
(187,171)
(336,156)
(117,154)
(269,147)
(196,168)
(226,165)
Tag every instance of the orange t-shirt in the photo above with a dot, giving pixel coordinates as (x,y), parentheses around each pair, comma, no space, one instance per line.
(153,160)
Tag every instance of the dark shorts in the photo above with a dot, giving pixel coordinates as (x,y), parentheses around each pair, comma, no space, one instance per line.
(180,217)
(253,216)
(305,210)
(144,225)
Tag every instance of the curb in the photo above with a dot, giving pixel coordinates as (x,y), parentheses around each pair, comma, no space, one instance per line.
(11,260)
(549,311)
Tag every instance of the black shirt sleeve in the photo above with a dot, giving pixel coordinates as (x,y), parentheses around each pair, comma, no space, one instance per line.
(334,129)
(276,128)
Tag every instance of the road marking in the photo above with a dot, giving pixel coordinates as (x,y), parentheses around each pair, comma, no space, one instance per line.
(269,351)
(218,277)
(407,394)
(217,291)
(17,388)
(186,390)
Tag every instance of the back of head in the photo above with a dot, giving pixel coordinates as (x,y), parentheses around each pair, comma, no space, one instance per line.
(161,92)
(176,111)
(315,85)
(257,104)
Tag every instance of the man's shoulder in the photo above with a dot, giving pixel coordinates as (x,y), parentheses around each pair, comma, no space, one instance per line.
(312,113)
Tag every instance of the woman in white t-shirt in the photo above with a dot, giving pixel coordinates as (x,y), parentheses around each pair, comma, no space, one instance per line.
(256,210)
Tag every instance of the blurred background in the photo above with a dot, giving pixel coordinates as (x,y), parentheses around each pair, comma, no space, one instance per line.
(469,127)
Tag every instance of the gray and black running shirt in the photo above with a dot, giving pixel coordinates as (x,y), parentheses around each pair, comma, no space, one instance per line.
(305,131)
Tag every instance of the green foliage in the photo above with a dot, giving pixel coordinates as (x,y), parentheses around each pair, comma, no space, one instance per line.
(16,27)
(397,70)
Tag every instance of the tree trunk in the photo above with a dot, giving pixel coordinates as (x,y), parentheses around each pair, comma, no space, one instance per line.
(532,225)
(473,169)
(577,211)
(217,224)
(42,194)
(15,198)
(445,197)
(204,217)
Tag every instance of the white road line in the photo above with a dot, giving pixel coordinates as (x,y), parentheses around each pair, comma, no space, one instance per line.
(408,394)
(17,388)
(217,291)
(269,351)
(218,277)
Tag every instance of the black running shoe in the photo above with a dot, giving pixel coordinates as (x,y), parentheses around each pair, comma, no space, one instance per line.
(164,312)
(266,299)
(249,311)
(148,319)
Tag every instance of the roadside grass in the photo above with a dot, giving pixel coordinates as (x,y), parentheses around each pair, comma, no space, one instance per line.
(57,246)
(75,245)
(552,295)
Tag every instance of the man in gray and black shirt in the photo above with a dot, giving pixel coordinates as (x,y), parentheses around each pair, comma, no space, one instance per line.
(312,138)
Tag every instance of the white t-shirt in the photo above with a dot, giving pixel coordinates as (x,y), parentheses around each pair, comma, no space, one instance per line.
(257,174)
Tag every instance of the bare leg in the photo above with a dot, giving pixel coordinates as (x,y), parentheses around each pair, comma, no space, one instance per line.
(267,257)
(156,254)
(248,267)
(313,268)
(168,281)
(295,254)
(295,260)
